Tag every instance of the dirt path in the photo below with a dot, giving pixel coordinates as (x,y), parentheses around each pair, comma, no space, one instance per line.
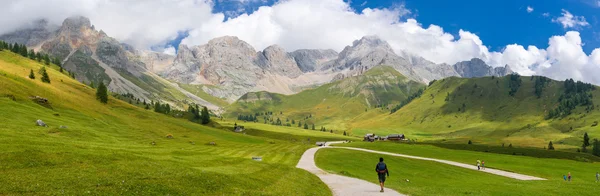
(340,185)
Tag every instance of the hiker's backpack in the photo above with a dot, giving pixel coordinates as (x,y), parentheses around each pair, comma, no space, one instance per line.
(381,167)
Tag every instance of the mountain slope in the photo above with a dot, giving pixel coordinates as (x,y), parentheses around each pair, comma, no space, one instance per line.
(331,105)
(95,57)
(120,149)
(482,109)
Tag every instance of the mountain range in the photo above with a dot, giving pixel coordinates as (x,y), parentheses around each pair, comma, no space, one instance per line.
(225,67)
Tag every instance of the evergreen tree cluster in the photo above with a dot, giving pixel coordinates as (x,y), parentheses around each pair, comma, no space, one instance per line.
(514,83)
(102,93)
(407,100)
(249,118)
(540,83)
(161,108)
(575,94)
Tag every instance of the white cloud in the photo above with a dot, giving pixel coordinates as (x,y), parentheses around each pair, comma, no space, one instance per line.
(139,23)
(170,51)
(319,24)
(546,14)
(568,20)
(529,9)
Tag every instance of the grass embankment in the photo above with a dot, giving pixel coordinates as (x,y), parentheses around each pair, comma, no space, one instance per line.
(107,148)
(334,105)
(551,169)
(198,91)
(292,134)
(481,110)
(432,178)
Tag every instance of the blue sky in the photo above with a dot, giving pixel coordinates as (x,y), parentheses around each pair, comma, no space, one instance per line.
(497,22)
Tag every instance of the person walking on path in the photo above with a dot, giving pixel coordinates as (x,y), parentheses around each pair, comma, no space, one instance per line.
(565,177)
(569,176)
(483,165)
(597,177)
(478,164)
(382,171)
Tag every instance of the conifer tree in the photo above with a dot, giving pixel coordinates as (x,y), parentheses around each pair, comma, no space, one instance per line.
(596,148)
(550,146)
(31,75)
(45,77)
(205,115)
(102,93)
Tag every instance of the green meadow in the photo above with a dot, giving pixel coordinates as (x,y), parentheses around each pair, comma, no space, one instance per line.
(118,148)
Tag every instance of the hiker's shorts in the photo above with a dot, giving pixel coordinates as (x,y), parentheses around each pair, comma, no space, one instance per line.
(381,177)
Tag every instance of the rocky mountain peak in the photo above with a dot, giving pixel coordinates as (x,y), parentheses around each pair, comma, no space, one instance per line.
(478,68)
(76,23)
(370,41)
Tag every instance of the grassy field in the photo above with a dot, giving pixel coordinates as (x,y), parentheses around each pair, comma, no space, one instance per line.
(332,105)
(549,168)
(431,178)
(290,133)
(117,148)
(197,90)
(481,110)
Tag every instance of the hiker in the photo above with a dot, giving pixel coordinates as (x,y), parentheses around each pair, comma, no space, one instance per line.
(565,177)
(483,165)
(569,176)
(478,164)
(382,170)
(597,177)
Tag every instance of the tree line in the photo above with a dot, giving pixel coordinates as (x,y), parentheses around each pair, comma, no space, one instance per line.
(574,94)
(407,100)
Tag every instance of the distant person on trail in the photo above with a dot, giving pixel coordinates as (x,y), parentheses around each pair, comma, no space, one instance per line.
(565,177)
(483,165)
(597,177)
(478,164)
(569,176)
(382,170)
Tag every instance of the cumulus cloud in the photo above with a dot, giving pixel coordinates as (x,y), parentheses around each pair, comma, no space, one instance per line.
(546,14)
(139,23)
(568,20)
(529,9)
(311,24)
(170,51)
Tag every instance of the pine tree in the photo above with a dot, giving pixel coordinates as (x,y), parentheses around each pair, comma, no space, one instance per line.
(313,126)
(31,75)
(46,59)
(205,115)
(305,125)
(344,133)
(102,93)
(586,140)
(31,54)
(293,122)
(596,148)
(550,146)
(45,77)
(157,107)
(147,106)
(299,123)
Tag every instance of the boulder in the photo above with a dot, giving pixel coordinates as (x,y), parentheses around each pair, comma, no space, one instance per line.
(63,127)
(40,123)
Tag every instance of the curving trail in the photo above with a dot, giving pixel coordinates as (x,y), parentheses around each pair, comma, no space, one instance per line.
(342,185)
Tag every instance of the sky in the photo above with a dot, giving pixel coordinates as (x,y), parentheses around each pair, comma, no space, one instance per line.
(555,38)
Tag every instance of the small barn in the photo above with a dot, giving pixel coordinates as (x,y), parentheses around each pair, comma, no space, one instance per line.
(370,137)
(239,129)
(396,137)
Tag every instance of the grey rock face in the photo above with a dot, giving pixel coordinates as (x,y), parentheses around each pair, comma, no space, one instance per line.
(477,68)
(276,60)
(371,51)
(311,60)
(40,123)
(33,35)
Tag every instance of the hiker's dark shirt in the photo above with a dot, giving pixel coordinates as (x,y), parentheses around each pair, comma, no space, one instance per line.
(386,169)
